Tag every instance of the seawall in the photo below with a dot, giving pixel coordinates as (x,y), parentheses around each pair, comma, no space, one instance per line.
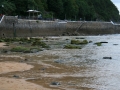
(12,27)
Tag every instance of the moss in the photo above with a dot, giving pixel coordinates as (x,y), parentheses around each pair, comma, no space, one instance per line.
(29,40)
(23,39)
(75,41)
(98,43)
(25,49)
(1,40)
(7,39)
(71,47)
(79,38)
(84,42)
(79,42)
(40,43)
(20,49)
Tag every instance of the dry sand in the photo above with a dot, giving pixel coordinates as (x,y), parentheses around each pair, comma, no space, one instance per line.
(6,67)
(2,45)
(16,84)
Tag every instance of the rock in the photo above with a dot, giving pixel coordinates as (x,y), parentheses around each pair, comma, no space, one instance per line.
(115,44)
(28,51)
(103,42)
(90,41)
(55,83)
(43,69)
(4,51)
(107,57)
(58,61)
(26,59)
(15,76)
(34,50)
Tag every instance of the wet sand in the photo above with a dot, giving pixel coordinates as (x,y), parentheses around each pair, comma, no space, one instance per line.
(19,84)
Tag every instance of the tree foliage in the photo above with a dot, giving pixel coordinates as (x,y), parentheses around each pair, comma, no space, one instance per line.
(7,6)
(103,10)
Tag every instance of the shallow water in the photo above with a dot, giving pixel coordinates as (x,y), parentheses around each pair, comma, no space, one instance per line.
(105,73)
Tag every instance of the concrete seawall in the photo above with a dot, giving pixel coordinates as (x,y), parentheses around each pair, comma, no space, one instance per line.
(31,28)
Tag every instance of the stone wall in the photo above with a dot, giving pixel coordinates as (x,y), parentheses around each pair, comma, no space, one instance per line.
(30,28)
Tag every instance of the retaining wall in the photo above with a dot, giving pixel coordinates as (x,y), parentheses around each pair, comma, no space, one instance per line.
(30,28)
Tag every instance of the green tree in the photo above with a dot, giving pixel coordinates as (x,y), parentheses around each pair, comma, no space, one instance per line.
(7,7)
(103,10)
(55,6)
(70,8)
(23,5)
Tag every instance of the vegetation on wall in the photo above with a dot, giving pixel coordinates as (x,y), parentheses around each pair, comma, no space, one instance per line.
(102,10)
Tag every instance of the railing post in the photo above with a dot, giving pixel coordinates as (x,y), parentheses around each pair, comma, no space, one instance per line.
(14,30)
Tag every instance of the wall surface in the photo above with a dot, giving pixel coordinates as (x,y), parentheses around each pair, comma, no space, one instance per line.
(31,28)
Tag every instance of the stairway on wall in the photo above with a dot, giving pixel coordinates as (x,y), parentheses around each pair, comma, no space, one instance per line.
(80,26)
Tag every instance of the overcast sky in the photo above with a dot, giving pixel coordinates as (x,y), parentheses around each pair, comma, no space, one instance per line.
(117,3)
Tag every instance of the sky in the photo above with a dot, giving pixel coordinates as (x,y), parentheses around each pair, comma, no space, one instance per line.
(117,4)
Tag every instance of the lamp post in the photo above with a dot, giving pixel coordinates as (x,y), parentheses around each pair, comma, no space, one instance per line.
(52,16)
(65,16)
(75,17)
